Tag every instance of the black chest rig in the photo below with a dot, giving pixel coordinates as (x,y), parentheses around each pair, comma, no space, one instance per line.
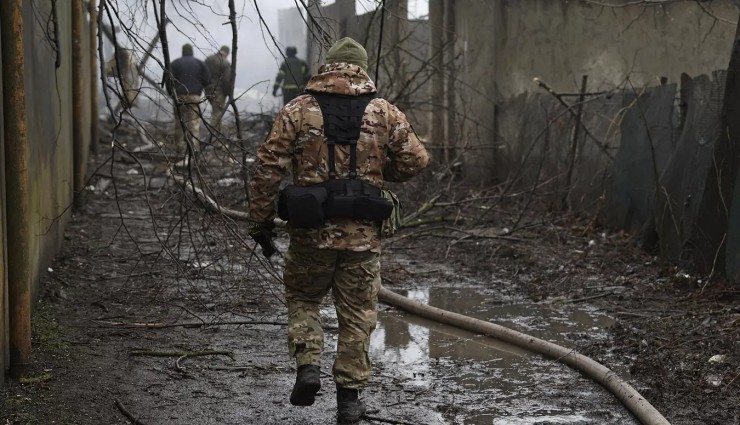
(308,207)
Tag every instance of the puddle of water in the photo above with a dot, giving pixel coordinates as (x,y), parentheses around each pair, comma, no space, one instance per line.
(500,383)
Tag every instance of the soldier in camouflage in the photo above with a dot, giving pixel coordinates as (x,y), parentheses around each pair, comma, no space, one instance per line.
(220,69)
(342,255)
(124,67)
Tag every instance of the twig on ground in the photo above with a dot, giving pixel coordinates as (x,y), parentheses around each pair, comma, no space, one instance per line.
(149,353)
(128,414)
(426,206)
(230,368)
(387,421)
(145,325)
(593,297)
(181,369)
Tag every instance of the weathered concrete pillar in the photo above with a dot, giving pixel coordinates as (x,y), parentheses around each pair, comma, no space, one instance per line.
(436,56)
(94,145)
(313,54)
(395,43)
(730,187)
(450,29)
(78,101)
(16,185)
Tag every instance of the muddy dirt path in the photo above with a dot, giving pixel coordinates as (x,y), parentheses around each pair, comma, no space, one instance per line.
(162,308)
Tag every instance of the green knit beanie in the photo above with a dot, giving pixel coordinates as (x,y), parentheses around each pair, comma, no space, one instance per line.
(187,49)
(349,51)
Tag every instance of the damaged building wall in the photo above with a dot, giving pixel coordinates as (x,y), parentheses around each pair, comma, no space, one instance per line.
(559,41)
(404,67)
(644,161)
(562,40)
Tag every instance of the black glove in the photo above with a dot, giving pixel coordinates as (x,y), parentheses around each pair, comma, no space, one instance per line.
(274,91)
(262,234)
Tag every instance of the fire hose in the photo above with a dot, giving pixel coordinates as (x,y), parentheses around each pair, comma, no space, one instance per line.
(641,408)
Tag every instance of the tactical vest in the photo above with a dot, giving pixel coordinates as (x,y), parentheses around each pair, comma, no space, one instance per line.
(310,206)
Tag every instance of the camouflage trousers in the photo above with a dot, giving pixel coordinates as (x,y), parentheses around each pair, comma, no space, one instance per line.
(190,114)
(218,107)
(354,279)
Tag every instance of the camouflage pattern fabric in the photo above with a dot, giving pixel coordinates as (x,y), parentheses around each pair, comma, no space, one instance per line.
(189,107)
(218,107)
(220,69)
(388,149)
(354,279)
(127,71)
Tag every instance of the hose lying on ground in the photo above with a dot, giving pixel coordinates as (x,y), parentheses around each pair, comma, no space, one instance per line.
(641,408)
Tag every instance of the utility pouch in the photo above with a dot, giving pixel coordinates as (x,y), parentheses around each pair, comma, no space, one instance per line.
(373,208)
(352,198)
(390,225)
(341,206)
(342,196)
(303,206)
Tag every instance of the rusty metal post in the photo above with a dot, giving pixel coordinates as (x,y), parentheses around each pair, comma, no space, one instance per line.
(94,145)
(78,93)
(16,183)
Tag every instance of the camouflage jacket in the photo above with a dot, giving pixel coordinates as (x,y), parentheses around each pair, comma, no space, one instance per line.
(388,149)
(220,70)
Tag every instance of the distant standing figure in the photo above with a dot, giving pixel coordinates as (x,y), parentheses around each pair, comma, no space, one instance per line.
(293,76)
(124,67)
(220,69)
(190,76)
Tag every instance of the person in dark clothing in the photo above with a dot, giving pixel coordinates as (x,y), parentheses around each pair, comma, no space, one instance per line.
(292,76)
(190,76)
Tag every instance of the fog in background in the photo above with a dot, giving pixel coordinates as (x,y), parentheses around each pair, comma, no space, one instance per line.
(206,27)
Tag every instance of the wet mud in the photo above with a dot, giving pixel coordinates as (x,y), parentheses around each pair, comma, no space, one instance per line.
(160,310)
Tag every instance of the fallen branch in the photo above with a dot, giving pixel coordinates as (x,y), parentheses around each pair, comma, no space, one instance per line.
(213,206)
(430,220)
(426,206)
(146,325)
(592,297)
(128,414)
(210,203)
(387,421)
(231,368)
(149,353)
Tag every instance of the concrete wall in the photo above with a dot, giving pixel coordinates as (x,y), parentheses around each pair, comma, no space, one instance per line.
(477,70)
(50,141)
(49,116)
(562,40)
(404,84)
(292,30)
(504,44)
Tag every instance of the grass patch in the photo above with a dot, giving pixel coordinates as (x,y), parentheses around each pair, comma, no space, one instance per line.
(47,335)
(35,379)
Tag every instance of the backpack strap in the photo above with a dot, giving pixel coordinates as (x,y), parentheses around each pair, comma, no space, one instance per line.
(342,124)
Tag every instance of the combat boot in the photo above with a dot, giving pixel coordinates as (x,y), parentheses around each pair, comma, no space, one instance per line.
(349,406)
(307,384)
